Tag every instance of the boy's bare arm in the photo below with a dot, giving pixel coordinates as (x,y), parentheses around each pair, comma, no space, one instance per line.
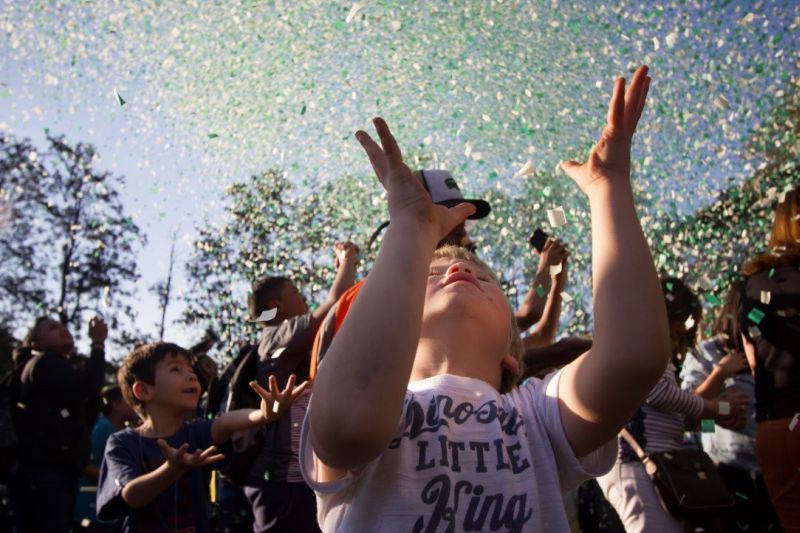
(273,404)
(360,388)
(147,487)
(534,306)
(346,258)
(600,390)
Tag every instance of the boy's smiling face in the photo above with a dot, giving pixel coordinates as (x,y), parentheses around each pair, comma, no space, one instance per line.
(175,384)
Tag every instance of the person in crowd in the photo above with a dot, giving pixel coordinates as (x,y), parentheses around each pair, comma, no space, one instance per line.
(52,424)
(280,499)
(659,424)
(769,321)
(718,365)
(152,477)
(416,422)
(116,414)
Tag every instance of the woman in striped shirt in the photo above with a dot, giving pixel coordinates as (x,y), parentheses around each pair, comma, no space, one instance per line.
(659,424)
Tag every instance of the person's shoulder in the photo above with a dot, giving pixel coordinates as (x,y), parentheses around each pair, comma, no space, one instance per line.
(125,438)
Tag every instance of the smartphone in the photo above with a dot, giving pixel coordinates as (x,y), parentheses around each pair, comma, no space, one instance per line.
(538,239)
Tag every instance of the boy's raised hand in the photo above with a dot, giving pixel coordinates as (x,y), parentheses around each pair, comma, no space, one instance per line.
(275,402)
(345,253)
(179,460)
(610,159)
(407,196)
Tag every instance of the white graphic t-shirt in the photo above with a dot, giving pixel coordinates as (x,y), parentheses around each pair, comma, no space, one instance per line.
(464,458)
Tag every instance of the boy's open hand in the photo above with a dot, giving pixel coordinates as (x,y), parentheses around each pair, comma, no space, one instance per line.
(181,461)
(610,159)
(275,402)
(407,196)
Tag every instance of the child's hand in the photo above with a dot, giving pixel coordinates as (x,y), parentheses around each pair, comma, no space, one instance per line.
(553,253)
(98,331)
(560,279)
(180,461)
(274,402)
(407,196)
(610,159)
(346,253)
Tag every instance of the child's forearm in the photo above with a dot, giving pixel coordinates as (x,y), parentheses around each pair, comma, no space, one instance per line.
(630,330)
(712,386)
(547,327)
(226,425)
(530,312)
(360,388)
(146,488)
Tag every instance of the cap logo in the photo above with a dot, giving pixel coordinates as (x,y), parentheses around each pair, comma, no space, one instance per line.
(451,184)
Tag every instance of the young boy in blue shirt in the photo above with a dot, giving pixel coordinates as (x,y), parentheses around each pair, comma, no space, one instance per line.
(153,478)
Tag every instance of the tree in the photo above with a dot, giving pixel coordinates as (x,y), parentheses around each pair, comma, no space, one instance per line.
(275,229)
(163,288)
(69,248)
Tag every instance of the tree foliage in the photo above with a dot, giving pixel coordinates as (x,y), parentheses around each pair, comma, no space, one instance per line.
(67,245)
(274,228)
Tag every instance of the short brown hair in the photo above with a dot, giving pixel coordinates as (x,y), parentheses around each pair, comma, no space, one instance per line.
(140,365)
(509,379)
(264,289)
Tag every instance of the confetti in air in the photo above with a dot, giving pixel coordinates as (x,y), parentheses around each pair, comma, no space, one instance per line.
(235,90)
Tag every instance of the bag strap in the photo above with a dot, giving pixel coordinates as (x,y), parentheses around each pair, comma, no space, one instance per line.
(650,466)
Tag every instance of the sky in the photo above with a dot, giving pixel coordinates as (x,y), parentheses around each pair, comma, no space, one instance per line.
(217,91)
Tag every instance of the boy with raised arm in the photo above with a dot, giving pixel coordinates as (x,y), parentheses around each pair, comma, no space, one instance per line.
(153,478)
(415,424)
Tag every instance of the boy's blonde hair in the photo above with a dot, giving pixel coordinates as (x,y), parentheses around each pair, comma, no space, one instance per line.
(509,379)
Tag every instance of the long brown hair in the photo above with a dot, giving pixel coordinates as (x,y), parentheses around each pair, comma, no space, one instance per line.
(726,326)
(784,242)
(682,304)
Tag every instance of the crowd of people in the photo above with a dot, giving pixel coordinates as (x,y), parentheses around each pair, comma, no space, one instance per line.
(417,399)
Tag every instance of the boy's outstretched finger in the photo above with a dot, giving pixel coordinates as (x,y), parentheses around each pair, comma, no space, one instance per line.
(616,108)
(390,147)
(375,154)
(265,395)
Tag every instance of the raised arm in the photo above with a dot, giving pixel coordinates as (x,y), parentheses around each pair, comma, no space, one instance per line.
(346,258)
(545,331)
(599,391)
(534,307)
(360,386)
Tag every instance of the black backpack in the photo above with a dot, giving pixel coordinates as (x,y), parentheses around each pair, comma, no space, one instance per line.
(231,391)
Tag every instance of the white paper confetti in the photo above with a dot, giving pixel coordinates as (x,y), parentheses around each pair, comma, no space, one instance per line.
(795,420)
(766,296)
(276,406)
(267,315)
(556,217)
(724,408)
(353,12)
(721,102)
(64,413)
(555,269)
(689,323)
(528,169)
(566,297)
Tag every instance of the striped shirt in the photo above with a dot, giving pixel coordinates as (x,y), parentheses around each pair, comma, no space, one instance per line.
(659,424)
(297,412)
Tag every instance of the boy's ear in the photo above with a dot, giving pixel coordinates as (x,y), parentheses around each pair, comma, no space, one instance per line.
(142,391)
(511,364)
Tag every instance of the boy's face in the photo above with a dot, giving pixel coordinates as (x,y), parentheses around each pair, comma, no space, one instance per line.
(461,289)
(292,303)
(176,386)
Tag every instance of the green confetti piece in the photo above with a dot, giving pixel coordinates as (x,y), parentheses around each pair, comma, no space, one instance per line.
(212,135)
(756,315)
(707,425)
(540,291)
(303,110)
(771,273)
(712,299)
(266,476)
(668,285)
(742,496)
(120,99)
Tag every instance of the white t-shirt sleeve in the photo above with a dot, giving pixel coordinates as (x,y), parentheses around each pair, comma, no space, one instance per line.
(571,470)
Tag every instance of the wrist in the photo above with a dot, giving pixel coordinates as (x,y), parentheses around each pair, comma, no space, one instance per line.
(410,228)
(615,185)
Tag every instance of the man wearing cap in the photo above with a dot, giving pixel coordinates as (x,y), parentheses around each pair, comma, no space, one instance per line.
(444,190)
(280,499)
